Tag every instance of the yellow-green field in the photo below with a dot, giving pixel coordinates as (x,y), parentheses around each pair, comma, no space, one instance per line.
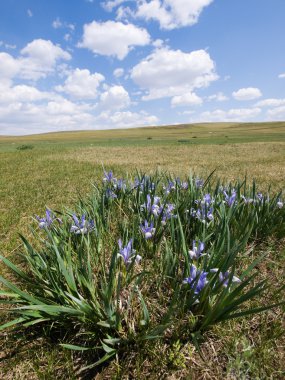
(59,166)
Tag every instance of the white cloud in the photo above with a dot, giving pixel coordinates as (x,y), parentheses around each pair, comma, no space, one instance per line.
(158,43)
(281,76)
(277,113)
(29,13)
(170,14)
(234,114)
(270,103)
(113,38)
(9,67)
(126,119)
(115,98)
(81,84)
(22,93)
(7,46)
(118,72)
(111,4)
(25,117)
(57,24)
(18,117)
(249,93)
(187,99)
(166,73)
(219,97)
(67,37)
(39,58)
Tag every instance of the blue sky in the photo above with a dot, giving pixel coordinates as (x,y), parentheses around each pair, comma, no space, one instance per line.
(83,64)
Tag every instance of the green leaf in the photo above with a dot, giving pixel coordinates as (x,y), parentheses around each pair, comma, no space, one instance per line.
(12,323)
(75,348)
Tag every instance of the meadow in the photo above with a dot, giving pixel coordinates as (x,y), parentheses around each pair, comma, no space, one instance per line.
(54,170)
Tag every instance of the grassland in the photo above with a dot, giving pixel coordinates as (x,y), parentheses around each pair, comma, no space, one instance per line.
(62,165)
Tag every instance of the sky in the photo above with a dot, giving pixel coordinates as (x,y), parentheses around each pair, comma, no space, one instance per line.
(108,64)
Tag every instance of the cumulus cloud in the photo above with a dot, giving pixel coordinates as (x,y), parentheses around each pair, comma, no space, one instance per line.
(81,84)
(24,117)
(115,98)
(187,99)
(170,14)
(37,60)
(166,72)
(22,93)
(277,113)
(127,119)
(219,97)
(112,38)
(234,114)
(249,93)
(118,72)
(272,102)
(9,67)
(29,117)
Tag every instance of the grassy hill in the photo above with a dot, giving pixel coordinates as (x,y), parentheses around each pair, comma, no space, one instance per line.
(206,133)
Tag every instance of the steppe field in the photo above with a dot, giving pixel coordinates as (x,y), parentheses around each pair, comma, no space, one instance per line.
(53,170)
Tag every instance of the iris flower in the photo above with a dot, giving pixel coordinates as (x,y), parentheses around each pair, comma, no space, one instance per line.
(109,177)
(199,183)
(82,226)
(197,250)
(230,199)
(224,277)
(127,253)
(197,279)
(48,220)
(148,230)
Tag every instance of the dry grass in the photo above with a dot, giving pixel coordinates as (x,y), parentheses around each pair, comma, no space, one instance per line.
(262,161)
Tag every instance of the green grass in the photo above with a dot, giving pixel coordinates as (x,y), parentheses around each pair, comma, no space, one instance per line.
(63,165)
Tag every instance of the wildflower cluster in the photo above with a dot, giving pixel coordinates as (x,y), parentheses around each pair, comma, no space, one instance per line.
(137,246)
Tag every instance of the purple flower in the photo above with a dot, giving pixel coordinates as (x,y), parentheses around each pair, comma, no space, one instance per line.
(82,226)
(147,204)
(184,185)
(144,184)
(170,186)
(110,194)
(108,177)
(167,213)
(197,279)
(230,199)
(196,251)
(224,277)
(127,253)
(121,185)
(48,220)
(154,207)
(204,213)
(199,183)
(148,230)
(207,200)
